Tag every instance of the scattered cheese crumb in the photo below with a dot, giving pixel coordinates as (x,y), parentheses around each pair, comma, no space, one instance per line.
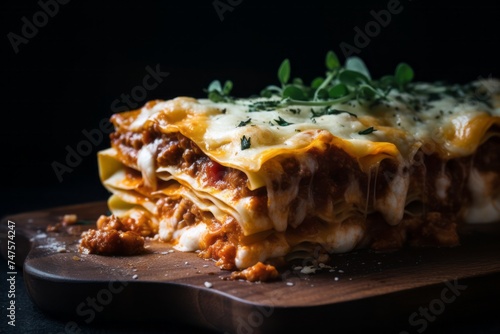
(336,278)
(205,266)
(76,258)
(289,283)
(308,270)
(341,271)
(208,284)
(135,276)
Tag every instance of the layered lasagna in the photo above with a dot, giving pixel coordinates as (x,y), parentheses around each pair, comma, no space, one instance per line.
(248,182)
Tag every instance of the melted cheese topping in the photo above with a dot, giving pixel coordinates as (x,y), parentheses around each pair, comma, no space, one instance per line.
(450,127)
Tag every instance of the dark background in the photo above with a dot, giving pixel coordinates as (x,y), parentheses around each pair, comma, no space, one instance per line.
(65,79)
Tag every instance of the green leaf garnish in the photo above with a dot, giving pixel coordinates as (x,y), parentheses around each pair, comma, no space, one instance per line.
(281,122)
(294,92)
(245,142)
(337,91)
(243,123)
(332,61)
(353,78)
(367,131)
(317,82)
(217,93)
(356,64)
(215,86)
(340,84)
(404,74)
(284,72)
(263,106)
(228,85)
(331,111)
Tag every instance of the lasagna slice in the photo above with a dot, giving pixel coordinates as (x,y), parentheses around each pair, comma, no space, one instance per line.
(247,186)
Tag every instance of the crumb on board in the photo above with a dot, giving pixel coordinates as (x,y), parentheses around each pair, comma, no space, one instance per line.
(69,219)
(258,272)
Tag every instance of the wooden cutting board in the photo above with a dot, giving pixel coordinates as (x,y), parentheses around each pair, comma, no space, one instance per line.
(362,289)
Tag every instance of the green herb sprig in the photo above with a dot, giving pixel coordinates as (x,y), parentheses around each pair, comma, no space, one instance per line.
(340,84)
(220,93)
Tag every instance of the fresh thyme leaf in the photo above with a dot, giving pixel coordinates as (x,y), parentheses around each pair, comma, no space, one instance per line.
(245,142)
(263,106)
(215,96)
(322,94)
(317,82)
(284,72)
(356,64)
(353,78)
(294,92)
(243,123)
(217,93)
(228,86)
(403,75)
(340,84)
(270,91)
(331,111)
(337,91)
(215,86)
(332,61)
(367,131)
(281,122)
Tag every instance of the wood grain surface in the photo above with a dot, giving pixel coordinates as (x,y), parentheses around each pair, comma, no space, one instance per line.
(357,290)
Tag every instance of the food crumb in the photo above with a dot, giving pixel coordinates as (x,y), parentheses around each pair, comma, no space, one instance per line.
(336,278)
(208,284)
(341,271)
(205,266)
(135,276)
(308,270)
(61,249)
(69,219)
(290,283)
(76,258)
